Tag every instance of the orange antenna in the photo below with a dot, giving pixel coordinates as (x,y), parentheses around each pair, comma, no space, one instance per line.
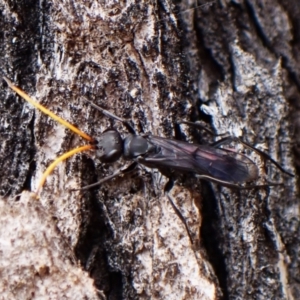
(47,111)
(59,120)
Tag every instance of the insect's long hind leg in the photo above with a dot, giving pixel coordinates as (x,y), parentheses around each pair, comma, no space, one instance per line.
(199,126)
(112,116)
(167,189)
(235,186)
(229,139)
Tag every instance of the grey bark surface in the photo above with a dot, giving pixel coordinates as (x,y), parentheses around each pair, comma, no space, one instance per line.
(233,65)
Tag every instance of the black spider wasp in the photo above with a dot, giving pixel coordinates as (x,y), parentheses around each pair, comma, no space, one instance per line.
(211,163)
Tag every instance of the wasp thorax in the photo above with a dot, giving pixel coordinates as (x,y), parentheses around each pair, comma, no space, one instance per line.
(136,145)
(109,146)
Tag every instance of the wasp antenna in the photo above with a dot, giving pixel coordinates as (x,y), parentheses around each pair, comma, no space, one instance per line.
(58,160)
(46,111)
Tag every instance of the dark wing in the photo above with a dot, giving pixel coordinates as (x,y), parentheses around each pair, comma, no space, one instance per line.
(218,163)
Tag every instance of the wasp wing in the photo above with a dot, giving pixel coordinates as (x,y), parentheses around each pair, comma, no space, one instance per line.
(221,164)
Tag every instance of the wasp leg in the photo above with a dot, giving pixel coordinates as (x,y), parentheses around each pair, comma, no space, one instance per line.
(119,172)
(112,116)
(200,126)
(235,186)
(229,139)
(167,188)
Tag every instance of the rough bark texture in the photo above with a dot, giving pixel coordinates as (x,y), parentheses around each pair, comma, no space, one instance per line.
(233,65)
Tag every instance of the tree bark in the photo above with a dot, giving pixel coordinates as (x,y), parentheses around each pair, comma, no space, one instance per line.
(232,65)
